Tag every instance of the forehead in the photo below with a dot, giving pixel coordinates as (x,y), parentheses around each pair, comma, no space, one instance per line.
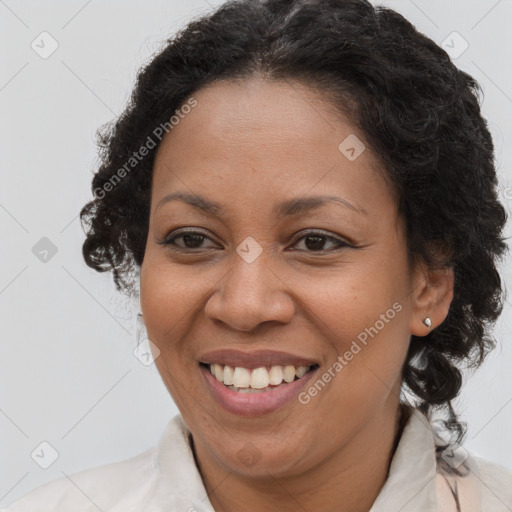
(281,112)
(254,138)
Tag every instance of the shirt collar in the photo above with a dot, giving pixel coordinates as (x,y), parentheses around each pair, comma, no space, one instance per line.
(410,486)
(411,483)
(179,484)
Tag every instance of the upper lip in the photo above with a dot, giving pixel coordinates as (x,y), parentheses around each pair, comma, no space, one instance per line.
(254,359)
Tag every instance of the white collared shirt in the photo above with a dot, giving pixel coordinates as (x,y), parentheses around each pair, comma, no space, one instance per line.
(165,478)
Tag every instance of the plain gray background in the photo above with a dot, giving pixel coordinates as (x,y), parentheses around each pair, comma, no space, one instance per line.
(68,376)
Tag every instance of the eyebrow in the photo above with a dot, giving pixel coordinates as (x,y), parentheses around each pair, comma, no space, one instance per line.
(286,208)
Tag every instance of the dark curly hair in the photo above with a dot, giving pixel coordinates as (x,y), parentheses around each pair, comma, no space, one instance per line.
(418,112)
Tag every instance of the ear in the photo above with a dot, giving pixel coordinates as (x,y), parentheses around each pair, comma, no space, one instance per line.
(432,296)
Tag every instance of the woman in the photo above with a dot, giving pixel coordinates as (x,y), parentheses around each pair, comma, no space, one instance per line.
(305,193)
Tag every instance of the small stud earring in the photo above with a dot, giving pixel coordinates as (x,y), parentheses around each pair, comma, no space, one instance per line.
(428,323)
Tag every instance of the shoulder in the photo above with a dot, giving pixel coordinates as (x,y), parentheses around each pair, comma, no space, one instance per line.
(496,485)
(94,489)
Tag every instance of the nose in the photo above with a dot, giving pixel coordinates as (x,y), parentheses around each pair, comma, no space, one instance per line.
(249,295)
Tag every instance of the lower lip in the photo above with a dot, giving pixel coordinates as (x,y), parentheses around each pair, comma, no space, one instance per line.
(253,404)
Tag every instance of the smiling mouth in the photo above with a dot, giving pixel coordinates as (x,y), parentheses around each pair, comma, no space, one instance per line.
(257,380)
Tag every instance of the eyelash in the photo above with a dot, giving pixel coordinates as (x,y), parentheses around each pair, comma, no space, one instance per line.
(170,242)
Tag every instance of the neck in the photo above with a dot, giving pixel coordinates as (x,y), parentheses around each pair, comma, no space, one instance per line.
(348,481)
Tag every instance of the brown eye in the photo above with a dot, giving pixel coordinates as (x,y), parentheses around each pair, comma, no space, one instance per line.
(314,241)
(189,240)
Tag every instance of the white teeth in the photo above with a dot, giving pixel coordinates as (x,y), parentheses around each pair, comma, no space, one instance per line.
(259,378)
(248,390)
(301,371)
(228,375)
(275,375)
(245,380)
(219,372)
(289,373)
(241,377)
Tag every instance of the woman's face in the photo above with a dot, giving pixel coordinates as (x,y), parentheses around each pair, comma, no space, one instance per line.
(270,278)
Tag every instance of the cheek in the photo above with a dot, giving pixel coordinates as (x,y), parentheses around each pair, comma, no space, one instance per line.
(170,297)
(358,303)
(363,374)
(366,318)
(168,302)
(167,299)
